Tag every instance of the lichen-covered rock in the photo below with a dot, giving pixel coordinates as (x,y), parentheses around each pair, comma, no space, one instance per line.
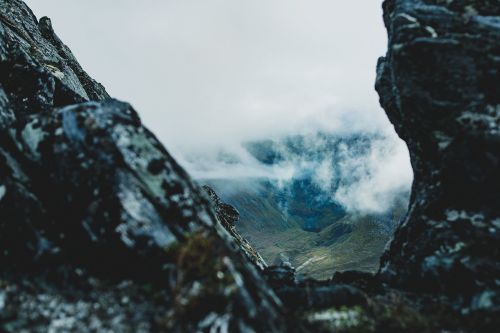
(439,87)
(89,198)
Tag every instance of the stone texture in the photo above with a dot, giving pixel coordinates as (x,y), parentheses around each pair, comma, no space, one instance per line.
(439,86)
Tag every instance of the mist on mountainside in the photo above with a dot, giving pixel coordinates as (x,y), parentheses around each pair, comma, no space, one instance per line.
(321,202)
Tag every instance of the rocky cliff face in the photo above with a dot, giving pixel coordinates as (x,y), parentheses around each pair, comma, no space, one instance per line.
(227,216)
(439,87)
(102,231)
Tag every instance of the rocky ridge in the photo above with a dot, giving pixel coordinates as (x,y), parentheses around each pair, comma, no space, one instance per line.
(227,216)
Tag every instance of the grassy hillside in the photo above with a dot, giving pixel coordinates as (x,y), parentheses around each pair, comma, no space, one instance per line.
(303,217)
(347,242)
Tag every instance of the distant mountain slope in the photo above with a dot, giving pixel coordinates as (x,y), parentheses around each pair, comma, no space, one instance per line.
(349,242)
(300,219)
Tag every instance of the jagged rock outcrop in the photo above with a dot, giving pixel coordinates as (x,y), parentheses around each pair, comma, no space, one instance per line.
(439,86)
(227,216)
(95,214)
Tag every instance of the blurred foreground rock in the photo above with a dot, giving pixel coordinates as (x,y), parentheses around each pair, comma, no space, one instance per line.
(439,85)
(101,230)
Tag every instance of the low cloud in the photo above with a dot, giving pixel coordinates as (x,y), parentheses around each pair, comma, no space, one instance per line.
(208,76)
(365,173)
(373,182)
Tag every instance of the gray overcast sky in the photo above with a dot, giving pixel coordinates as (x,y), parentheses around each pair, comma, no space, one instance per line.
(205,74)
(202,72)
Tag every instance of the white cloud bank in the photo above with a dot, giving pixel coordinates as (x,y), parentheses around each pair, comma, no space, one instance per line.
(210,74)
